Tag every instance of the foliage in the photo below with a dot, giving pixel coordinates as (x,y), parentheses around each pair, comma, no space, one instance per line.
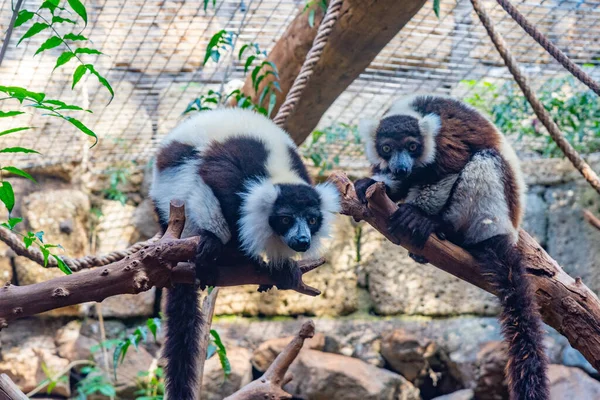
(260,68)
(312,10)
(151,383)
(139,335)
(216,345)
(46,19)
(50,380)
(117,177)
(323,146)
(576,112)
(94,382)
(436,8)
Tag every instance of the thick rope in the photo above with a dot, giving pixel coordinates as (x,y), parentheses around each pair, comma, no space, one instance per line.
(550,47)
(537,106)
(16,244)
(313,56)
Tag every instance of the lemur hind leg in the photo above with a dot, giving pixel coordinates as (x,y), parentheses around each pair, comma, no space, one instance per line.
(412,223)
(208,251)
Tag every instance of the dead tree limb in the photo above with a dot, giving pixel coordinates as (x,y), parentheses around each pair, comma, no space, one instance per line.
(362,30)
(10,391)
(160,264)
(591,219)
(566,304)
(270,385)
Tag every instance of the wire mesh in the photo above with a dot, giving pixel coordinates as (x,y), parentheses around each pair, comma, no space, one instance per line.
(155,58)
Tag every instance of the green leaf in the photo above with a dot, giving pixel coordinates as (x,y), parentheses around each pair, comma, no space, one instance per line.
(311,18)
(102,80)
(436,8)
(45,253)
(244,47)
(20,93)
(61,265)
(34,30)
(51,386)
(248,63)
(79,8)
(59,20)
(12,222)
(50,5)
(64,58)
(74,37)
(7,195)
(40,236)
(79,125)
(85,50)
(51,43)
(4,114)
(18,150)
(221,352)
(272,101)
(78,74)
(22,17)
(153,325)
(19,172)
(214,42)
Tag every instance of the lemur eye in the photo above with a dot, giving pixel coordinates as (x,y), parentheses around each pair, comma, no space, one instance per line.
(312,221)
(412,147)
(286,220)
(385,148)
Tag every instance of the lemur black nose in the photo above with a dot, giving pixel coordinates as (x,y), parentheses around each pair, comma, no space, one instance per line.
(301,244)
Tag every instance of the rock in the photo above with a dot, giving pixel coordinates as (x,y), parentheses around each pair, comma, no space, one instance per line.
(465,394)
(422,362)
(572,242)
(145,220)
(25,348)
(129,305)
(320,376)
(573,358)
(264,355)
(536,218)
(46,210)
(71,344)
(491,383)
(399,285)
(214,384)
(336,280)
(6,270)
(571,383)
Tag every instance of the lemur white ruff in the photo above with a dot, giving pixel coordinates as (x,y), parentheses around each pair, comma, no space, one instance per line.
(456,175)
(248,194)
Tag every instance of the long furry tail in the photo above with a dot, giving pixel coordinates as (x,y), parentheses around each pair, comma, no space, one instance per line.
(181,343)
(521,323)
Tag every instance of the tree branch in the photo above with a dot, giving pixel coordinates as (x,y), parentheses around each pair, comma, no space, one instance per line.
(270,385)
(159,264)
(591,219)
(566,304)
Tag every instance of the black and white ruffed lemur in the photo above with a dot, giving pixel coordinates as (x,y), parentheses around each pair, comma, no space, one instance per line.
(249,196)
(455,174)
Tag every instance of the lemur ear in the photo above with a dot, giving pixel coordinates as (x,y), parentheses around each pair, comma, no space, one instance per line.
(367,128)
(330,197)
(430,125)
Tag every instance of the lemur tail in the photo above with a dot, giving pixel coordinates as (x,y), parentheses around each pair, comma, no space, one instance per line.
(521,323)
(181,343)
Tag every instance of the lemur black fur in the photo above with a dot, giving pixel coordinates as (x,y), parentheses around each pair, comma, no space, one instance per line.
(455,174)
(249,196)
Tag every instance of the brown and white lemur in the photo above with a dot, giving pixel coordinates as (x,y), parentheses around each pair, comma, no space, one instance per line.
(456,175)
(249,196)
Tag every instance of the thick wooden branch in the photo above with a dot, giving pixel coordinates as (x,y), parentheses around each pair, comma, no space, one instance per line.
(361,32)
(591,219)
(160,264)
(270,385)
(566,304)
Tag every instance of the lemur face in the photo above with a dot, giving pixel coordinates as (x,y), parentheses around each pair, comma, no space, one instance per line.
(399,143)
(296,216)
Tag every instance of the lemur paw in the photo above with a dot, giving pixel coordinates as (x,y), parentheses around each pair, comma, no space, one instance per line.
(207,252)
(418,258)
(361,186)
(411,222)
(287,275)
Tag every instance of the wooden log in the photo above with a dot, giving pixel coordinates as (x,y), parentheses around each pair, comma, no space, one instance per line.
(361,32)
